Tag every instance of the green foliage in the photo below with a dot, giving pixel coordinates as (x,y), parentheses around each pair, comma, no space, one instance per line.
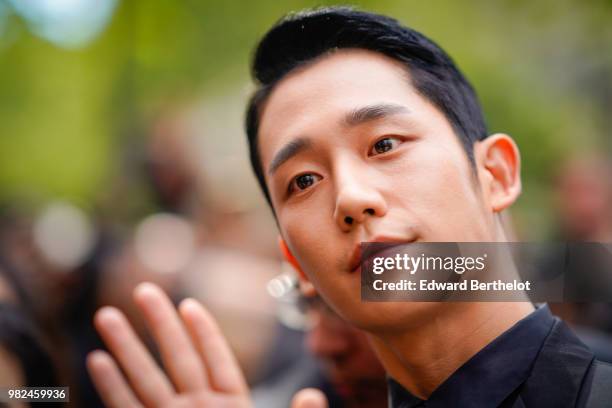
(543,72)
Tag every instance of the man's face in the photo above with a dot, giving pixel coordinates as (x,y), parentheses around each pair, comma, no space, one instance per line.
(351,153)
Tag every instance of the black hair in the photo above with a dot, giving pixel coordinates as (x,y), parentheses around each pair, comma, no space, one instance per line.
(300,38)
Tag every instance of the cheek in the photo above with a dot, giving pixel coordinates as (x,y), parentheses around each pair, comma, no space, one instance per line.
(305,228)
(441,194)
(319,248)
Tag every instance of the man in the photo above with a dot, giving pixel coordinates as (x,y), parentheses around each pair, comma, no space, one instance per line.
(364,130)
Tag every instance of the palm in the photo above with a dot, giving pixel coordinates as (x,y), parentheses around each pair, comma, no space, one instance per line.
(201,369)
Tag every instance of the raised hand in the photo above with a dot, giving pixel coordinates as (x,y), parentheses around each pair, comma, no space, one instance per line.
(201,369)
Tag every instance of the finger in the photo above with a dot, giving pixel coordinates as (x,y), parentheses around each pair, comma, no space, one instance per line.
(146,378)
(211,399)
(111,386)
(221,365)
(177,350)
(309,398)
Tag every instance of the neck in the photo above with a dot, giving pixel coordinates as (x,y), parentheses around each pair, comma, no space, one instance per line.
(423,357)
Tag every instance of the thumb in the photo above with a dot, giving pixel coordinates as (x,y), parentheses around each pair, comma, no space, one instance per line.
(309,398)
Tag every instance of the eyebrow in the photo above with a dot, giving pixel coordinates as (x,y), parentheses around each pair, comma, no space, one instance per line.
(372,112)
(288,151)
(353,118)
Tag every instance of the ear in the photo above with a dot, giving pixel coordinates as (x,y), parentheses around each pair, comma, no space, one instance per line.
(306,286)
(499,164)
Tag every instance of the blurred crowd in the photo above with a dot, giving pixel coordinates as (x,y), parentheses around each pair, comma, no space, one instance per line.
(60,263)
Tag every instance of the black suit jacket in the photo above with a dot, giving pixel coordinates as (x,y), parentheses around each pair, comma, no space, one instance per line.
(537,363)
(565,374)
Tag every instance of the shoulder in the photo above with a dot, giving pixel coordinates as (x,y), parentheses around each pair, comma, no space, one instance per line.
(576,367)
(559,373)
(602,371)
(597,387)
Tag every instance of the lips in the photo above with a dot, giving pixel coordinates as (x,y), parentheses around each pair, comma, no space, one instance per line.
(356,257)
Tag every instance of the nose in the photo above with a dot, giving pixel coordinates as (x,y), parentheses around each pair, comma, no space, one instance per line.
(356,201)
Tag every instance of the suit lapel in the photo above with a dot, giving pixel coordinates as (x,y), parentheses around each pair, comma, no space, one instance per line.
(558,371)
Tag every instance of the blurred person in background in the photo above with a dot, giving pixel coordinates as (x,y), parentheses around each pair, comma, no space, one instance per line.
(59,254)
(25,360)
(583,203)
(349,362)
(583,197)
(170,166)
(339,361)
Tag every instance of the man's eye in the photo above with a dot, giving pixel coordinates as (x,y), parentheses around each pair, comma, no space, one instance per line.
(303,181)
(384,145)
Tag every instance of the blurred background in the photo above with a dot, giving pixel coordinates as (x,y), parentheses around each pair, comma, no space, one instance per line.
(123,159)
